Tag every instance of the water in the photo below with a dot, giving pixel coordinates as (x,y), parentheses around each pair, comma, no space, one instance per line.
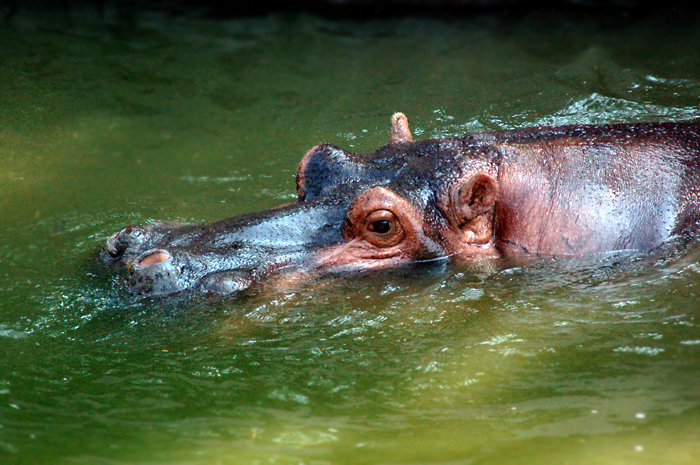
(110,122)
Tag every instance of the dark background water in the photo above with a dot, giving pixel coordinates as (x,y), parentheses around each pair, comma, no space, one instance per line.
(109,120)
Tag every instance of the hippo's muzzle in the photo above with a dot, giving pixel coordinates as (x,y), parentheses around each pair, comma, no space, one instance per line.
(224,257)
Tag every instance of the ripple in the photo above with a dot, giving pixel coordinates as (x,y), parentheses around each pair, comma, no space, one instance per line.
(651,351)
(597,108)
(6,331)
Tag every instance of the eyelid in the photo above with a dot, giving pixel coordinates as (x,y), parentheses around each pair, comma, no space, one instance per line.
(380,215)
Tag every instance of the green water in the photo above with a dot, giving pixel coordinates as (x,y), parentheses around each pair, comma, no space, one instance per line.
(106,122)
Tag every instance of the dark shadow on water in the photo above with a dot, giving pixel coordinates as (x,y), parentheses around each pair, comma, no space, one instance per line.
(359,9)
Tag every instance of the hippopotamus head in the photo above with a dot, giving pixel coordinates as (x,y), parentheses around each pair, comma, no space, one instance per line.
(409,202)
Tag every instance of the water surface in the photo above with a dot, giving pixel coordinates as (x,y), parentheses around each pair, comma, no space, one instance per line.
(105,122)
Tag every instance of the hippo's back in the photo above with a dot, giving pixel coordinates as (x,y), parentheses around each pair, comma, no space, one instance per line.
(588,189)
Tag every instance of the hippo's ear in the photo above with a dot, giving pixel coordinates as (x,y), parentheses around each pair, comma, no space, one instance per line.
(324,167)
(471,201)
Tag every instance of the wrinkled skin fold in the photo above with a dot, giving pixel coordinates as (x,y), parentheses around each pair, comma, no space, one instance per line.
(566,191)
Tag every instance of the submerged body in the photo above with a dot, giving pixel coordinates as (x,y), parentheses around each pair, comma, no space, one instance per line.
(566,191)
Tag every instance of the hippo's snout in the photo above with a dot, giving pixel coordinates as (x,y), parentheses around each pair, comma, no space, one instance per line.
(129,242)
(224,257)
(149,269)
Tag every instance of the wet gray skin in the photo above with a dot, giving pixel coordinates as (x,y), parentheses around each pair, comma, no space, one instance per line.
(223,257)
(569,191)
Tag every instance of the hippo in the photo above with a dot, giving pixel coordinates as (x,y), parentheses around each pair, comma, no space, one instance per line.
(570,191)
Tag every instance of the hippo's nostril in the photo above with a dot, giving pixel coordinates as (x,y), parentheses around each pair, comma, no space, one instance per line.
(152,258)
(127,237)
(117,244)
(112,246)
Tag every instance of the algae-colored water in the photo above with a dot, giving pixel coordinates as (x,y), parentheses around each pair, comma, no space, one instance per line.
(106,122)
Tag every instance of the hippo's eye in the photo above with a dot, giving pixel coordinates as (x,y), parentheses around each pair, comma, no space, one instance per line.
(383,228)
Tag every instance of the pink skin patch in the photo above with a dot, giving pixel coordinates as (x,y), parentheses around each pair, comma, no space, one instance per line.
(152,259)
